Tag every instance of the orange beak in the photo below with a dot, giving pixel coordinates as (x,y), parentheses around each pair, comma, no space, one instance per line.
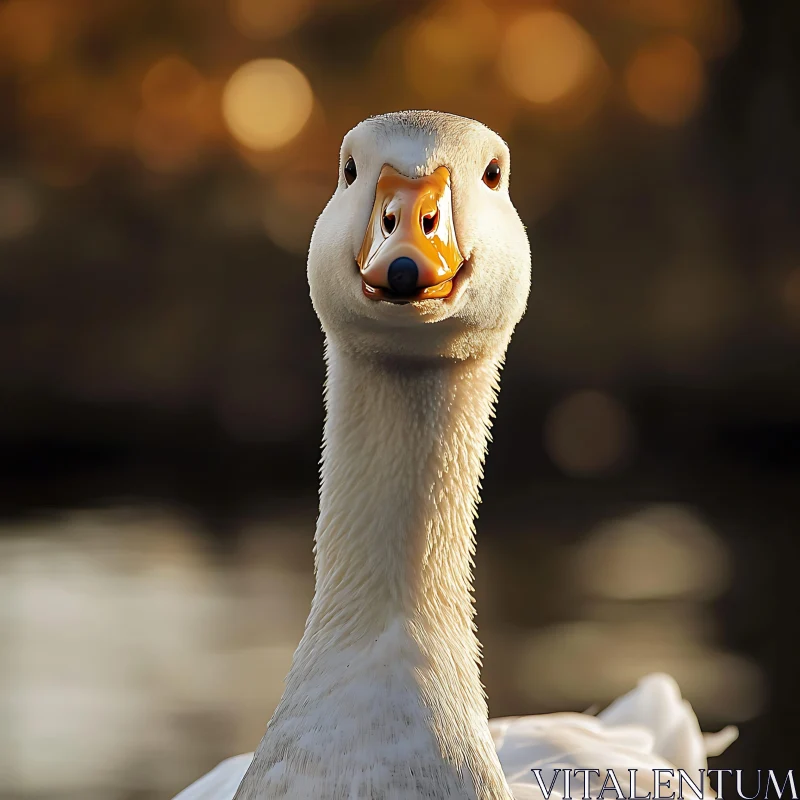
(410,250)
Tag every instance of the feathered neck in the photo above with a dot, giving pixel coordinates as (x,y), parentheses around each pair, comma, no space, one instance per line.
(389,658)
(402,461)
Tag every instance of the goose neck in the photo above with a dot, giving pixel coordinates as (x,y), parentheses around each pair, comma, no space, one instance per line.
(387,671)
(402,461)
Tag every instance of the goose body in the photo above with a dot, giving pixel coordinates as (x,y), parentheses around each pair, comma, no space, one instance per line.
(419,269)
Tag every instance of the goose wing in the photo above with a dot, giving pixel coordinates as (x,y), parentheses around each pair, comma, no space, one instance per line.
(651,727)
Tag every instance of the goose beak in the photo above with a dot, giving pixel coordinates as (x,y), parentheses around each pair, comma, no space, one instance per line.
(410,250)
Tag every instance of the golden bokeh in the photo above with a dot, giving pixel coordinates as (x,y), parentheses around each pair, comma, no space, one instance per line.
(665,80)
(266,103)
(28,31)
(172,85)
(166,144)
(588,432)
(436,60)
(268,19)
(546,56)
(19,209)
(177,118)
(663,551)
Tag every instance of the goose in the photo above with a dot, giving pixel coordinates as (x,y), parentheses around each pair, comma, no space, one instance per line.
(419,271)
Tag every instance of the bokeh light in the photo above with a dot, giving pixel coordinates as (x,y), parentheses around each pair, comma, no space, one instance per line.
(588,432)
(70,667)
(172,84)
(665,80)
(436,60)
(268,19)
(661,552)
(19,209)
(266,103)
(720,685)
(171,129)
(165,144)
(644,581)
(547,56)
(28,30)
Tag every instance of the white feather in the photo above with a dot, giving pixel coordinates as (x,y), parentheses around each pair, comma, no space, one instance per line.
(638,731)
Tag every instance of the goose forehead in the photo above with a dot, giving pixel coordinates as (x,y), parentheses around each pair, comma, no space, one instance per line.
(417,147)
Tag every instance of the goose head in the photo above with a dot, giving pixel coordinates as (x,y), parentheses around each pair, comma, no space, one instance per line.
(420,251)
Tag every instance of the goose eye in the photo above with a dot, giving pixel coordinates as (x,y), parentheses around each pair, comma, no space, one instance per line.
(350,172)
(491,175)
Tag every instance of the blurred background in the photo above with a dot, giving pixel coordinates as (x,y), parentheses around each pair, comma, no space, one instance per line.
(162,163)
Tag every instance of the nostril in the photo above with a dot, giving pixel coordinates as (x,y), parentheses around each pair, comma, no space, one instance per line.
(429,222)
(388,222)
(402,276)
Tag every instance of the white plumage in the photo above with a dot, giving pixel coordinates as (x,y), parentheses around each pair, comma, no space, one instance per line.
(650,727)
(383,699)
